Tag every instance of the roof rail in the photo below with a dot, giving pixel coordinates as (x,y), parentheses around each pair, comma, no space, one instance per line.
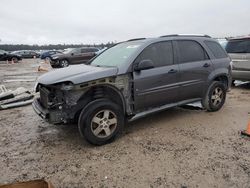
(173,35)
(135,39)
(186,35)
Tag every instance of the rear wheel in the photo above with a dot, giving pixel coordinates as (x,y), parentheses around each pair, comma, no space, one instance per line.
(64,63)
(101,121)
(215,97)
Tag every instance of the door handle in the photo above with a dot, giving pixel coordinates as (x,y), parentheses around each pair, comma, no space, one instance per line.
(206,65)
(172,71)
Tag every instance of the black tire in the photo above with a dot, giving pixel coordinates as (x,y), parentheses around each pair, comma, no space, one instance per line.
(213,100)
(14,59)
(64,63)
(87,125)
(54,66)
(233,82)
(48,59)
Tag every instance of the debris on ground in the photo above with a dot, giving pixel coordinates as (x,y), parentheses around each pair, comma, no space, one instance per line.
(44,66)
(11,99)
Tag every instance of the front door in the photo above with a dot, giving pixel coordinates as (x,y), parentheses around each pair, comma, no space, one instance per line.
(75,56)
(159,85)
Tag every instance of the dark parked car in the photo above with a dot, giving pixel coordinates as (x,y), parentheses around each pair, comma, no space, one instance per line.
(133,79)
(239,50)
(73,56)
(26,53)
(4,56)
(48,54)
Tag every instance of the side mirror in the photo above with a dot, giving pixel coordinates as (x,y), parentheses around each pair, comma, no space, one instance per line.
(144,65)
(72,54)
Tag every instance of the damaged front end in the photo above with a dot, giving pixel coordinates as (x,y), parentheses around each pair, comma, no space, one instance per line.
(62,102)
(56,102)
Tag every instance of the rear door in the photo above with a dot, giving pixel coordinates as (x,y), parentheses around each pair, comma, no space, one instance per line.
(159,85)
(86,55)
(195,66)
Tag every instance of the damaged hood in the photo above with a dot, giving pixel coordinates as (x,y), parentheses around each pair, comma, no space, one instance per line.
(77,74)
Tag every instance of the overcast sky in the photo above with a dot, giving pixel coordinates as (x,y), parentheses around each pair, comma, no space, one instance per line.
(97,21)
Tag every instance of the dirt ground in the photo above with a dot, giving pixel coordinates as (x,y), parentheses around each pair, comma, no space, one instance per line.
(180,147)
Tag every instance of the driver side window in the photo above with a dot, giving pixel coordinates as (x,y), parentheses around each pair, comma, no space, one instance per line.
(161,54)
(76,51)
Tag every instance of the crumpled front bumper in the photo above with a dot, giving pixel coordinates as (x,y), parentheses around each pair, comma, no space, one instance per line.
(52,116)
(41,111)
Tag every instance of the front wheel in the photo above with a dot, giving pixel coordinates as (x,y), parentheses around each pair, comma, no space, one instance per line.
(48,59)
(215,97)
(101,121)
(64,63)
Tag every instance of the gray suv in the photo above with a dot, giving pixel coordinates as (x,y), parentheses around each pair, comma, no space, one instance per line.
(133,79)
(239,50)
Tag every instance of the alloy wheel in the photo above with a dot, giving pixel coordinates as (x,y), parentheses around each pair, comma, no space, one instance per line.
(217,96)
(104,123)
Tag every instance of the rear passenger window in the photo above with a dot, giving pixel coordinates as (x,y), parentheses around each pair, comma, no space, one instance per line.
(160,53)
(216,49)
(93,50)
(84,51)
(190,51)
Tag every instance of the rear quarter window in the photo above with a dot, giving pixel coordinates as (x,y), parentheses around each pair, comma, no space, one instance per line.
(216,49)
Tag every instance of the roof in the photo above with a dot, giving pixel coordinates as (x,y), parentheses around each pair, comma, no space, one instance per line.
(240,37)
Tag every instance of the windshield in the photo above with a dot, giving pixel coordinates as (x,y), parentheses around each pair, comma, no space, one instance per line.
(238,46)
(3,52)
(116,55)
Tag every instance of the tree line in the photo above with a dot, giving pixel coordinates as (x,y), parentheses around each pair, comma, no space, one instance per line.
(15,47)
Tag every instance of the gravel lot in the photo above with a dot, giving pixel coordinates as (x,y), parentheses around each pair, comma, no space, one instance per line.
(180,147)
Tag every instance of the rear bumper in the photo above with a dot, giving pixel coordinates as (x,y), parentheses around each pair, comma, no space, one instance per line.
(241,75)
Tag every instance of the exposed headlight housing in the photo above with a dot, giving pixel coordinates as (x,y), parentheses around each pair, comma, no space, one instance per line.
(67,86)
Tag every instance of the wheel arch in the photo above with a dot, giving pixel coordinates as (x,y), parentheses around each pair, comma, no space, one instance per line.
(222,78)
(220,74)
(98,92)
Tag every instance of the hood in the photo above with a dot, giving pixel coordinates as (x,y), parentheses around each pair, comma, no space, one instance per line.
(60,55)
(77,74)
